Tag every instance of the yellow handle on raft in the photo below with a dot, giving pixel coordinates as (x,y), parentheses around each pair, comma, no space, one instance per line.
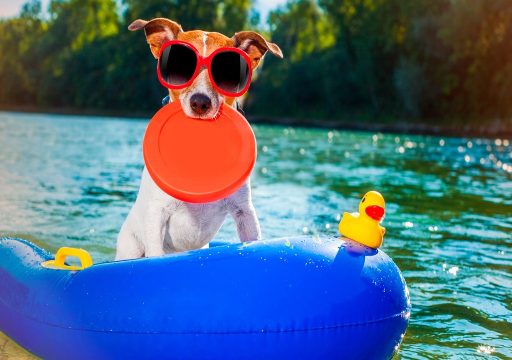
(65,252)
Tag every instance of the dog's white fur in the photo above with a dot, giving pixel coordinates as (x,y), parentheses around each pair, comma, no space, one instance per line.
(159,224)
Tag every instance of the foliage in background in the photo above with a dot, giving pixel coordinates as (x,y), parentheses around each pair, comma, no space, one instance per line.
(391,58)
(372,58)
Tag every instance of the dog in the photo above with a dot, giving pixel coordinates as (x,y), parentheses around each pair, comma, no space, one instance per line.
(159,224)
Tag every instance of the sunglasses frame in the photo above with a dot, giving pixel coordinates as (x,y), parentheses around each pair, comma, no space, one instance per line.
(207,62)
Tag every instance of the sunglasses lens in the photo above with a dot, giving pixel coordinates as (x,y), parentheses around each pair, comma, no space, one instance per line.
(230,71)
(177,64)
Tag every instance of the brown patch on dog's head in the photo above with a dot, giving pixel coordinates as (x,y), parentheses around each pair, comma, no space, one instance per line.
(255,46)
(158,31)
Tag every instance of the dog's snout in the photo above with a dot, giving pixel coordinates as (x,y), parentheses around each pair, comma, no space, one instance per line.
(200,103)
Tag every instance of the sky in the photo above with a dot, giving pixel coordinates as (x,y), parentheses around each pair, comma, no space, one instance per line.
(12,7)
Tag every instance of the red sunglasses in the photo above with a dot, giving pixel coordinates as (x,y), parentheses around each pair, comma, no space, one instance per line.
(229,68)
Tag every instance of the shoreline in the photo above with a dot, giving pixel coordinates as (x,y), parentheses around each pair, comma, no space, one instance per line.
(492,129)
(496,130)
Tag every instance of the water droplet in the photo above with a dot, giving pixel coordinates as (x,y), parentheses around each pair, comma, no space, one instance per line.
(467,158)
(400,150)
(302,151)
(264,149)
(408,224)
(441,142)
(498,142)
(264,170)
(327,226)
(461,149)
(305,229)
(469,144)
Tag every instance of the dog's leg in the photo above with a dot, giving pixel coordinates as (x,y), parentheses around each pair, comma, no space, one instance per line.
(128,245)
(241,208)
(154,230)
(247,224)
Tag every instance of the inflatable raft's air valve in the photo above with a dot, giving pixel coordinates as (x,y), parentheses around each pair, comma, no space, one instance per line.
(65,252)
(364,227)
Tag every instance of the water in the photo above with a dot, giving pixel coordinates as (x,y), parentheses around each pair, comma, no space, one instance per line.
(71,180)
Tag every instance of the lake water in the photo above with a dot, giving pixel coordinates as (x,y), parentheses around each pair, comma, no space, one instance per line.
(67,180)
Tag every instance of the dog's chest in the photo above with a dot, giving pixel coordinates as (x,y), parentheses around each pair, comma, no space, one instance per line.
(191,226)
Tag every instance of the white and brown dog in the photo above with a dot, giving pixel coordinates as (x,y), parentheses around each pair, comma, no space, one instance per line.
(159,224)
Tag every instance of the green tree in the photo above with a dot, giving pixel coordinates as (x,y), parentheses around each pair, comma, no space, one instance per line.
(300,80)
(72,27)
(20,69)
(466,59)
(226,16)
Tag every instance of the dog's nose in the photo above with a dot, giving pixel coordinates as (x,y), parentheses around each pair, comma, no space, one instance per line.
(200,103)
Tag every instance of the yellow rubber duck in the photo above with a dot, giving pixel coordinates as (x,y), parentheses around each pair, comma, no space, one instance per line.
(364,227)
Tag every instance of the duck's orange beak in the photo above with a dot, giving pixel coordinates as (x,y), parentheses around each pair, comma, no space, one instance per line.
(376,212)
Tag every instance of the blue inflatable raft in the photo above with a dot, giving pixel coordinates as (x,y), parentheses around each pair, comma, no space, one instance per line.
(290,298)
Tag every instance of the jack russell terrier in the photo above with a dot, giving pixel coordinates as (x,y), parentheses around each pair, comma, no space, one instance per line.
(159,224)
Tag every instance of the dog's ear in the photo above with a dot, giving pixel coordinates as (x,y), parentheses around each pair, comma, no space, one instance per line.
(157,31)
(255,46)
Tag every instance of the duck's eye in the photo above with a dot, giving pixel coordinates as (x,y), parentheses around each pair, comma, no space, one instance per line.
(363,200)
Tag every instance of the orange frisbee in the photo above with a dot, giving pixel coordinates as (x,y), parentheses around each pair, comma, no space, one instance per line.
(198,160)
